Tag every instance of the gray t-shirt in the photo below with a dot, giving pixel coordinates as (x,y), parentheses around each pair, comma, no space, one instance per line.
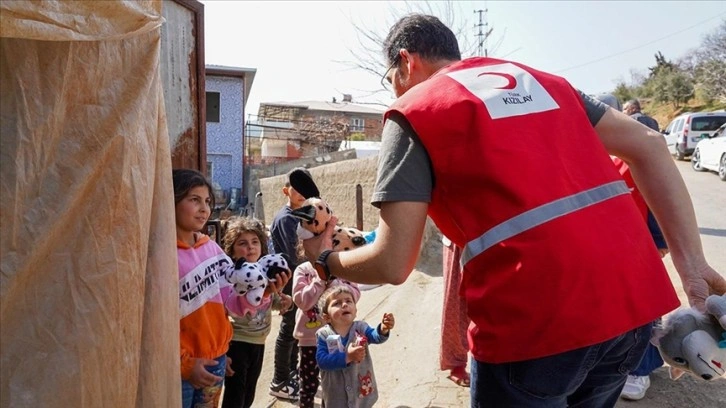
(404,167)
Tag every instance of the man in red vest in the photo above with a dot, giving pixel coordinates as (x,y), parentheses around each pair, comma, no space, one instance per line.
(560,279)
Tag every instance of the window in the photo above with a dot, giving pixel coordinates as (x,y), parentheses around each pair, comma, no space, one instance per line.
(669,129)
(357,124)
(679,125)
(213,107)
(707,123)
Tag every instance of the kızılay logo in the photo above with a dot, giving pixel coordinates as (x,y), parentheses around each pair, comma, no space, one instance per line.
(506,90)
(511,81)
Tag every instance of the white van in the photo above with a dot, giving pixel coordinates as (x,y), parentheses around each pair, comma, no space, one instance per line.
(686,130)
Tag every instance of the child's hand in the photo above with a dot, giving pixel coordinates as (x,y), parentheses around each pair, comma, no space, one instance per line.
(200,377)
(354,354)
(387,323)
(281,280)
(285,303)
(228,371)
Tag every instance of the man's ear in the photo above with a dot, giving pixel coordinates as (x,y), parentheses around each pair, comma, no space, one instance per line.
(286,191)
(407,63)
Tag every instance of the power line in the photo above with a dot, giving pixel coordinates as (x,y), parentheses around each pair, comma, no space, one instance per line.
(639,46)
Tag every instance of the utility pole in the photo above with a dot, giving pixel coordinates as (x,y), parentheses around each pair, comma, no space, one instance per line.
(483,34)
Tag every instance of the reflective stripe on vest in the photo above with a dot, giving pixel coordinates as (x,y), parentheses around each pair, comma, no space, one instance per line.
(539,215)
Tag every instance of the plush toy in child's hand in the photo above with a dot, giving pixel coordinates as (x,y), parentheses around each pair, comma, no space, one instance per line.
(273,264)
(250,279)
(695,342)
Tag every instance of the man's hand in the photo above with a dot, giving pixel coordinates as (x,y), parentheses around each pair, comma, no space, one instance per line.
(705,282)
(316,245)
(200,377)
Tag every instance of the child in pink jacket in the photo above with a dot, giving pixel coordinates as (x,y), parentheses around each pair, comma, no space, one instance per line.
(307,288)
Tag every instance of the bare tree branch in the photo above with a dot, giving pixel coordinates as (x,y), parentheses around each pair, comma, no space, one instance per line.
(367,55)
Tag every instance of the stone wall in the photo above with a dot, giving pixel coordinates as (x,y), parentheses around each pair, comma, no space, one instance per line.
(337,183)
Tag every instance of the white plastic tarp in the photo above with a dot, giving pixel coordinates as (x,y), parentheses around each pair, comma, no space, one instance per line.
(88,274)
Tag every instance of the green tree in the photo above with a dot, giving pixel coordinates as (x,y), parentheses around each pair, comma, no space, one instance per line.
(623,92)
(661,65)
(672,86)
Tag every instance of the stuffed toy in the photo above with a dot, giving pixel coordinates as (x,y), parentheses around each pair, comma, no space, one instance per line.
(345,239)
(250,279)
(315,212)
(695,342)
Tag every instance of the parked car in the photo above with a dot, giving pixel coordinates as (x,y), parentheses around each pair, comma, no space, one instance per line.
(710,153)
(686,130)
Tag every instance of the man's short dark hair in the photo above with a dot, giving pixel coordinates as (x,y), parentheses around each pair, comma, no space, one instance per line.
(423,34)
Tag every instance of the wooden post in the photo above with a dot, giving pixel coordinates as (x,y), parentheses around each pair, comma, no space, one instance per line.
(359,206)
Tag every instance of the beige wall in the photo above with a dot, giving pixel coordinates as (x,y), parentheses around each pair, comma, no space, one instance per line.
(337,182)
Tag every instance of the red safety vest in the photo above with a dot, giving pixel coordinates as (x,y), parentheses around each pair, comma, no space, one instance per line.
(556,256)
(624,171)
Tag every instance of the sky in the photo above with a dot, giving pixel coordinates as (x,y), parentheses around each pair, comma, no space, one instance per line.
(302,49)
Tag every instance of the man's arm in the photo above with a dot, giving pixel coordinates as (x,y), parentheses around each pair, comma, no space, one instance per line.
(390,258)
(660,183)
(402,192)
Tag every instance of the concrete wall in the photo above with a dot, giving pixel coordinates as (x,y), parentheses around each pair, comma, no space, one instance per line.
(257,172)
(337,183)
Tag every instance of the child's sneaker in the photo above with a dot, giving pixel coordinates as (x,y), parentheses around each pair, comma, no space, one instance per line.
(295,378)
(287,390)
(635,387)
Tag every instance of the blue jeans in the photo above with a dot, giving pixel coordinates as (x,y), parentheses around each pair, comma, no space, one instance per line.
(207,396)
(587,377)
(651,361)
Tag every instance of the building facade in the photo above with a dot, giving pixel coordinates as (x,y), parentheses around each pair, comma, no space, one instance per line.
(227,89)
(290,130)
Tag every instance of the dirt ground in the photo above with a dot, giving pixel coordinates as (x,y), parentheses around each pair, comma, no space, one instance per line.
(407,365)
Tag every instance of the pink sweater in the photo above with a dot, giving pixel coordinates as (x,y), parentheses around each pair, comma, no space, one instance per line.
(306,290)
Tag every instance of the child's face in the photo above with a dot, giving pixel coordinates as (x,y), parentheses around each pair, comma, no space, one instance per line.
(296,199)
(247,246)
(342,308)
(193,210)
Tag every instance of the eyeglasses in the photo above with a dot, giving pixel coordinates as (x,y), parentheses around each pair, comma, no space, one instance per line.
(385,80)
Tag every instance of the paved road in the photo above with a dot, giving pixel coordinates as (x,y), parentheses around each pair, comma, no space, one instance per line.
(407,365)
(708,194)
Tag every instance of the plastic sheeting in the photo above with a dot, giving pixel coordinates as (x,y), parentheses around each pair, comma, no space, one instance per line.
(88,274)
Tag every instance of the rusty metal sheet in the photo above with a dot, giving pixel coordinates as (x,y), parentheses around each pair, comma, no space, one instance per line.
(182,73)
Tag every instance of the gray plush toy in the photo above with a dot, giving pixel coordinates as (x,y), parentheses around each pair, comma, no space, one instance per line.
(695,342)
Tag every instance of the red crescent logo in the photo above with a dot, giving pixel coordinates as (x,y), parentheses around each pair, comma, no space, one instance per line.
(511,81)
